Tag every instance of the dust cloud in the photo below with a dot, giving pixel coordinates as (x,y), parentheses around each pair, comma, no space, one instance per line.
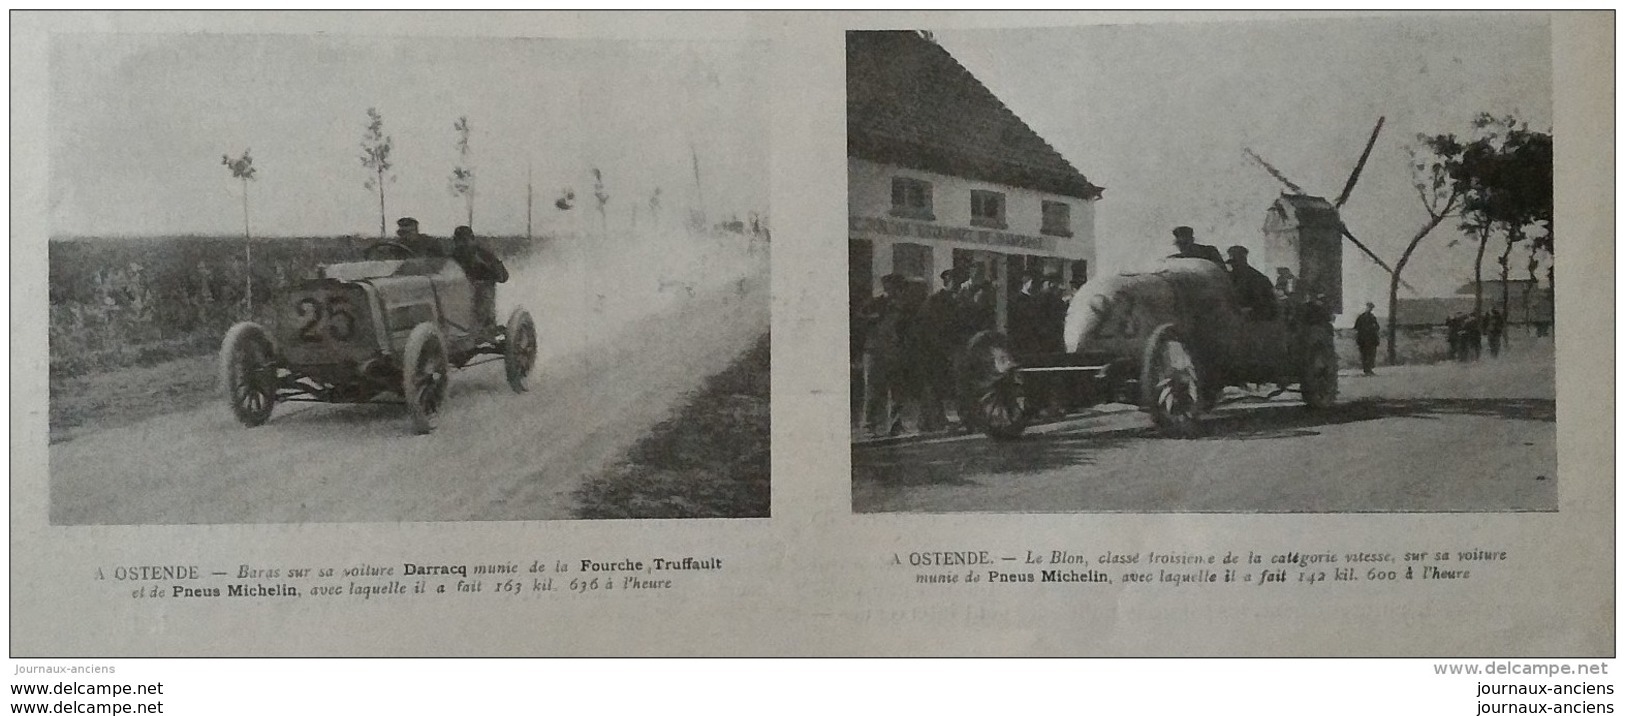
(586,289)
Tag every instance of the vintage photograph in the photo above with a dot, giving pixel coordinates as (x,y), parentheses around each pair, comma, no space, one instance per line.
(1244,267)
(339,278)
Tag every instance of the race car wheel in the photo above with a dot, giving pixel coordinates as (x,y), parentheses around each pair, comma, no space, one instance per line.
(248,373)
(519,349)
(1169,388)
(425,376)
(1319,383)
(1000,405)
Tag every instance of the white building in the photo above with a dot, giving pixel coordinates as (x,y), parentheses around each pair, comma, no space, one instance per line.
(940,174)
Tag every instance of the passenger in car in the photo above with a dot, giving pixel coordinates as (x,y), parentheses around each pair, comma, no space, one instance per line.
(1254,290)
(483,269)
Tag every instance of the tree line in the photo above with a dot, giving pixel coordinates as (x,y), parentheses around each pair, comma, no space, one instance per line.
(1497,185)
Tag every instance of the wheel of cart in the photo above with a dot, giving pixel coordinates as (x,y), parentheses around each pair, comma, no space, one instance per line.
(994,387)
(248,373)
(1169,387)
(519,349)
(425,376)
(1319,382)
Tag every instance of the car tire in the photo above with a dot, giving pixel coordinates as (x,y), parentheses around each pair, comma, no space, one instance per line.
(248,373)
(1169,387)
(995,385)
(519,349)
(425,376)
(1319,382)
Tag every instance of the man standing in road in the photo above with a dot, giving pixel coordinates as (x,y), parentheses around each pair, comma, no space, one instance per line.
(1452,335)
(1185,241)
(1367,336)
(938,335)
(1472,336)
(1495,329)
(881,319)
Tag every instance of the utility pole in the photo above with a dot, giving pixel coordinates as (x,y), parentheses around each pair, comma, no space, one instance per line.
(699,188)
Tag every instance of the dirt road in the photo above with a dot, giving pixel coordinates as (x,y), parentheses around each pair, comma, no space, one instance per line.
(610,369)
(1439,438)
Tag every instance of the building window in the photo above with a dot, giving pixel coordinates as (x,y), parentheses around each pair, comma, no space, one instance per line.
(1057,219)
(911,198)
(913,261)
(1080,272)
(987,209)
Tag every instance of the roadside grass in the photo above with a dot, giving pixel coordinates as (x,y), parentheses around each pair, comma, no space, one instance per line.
(142,301)
(711,459)
(112,398)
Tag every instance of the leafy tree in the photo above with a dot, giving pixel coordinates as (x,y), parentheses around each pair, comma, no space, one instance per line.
(462,175)
(375,149)
(242,169)
(1505,178)
(1440,198)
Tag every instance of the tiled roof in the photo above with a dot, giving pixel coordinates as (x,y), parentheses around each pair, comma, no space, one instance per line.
(1307,211)
(910,103)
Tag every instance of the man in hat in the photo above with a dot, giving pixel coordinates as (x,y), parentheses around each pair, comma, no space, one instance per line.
(484,270)
(881,329)
(1253,289)
(1185,241)
(939,334)
(1367,336)
(406,234)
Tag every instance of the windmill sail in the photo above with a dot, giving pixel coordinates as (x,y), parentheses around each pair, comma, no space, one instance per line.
(1354,176)
(1274,172)
(1348,187)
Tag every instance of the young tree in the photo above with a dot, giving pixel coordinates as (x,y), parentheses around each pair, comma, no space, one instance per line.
(375,148)
(242,169)
(462,175)
(602,195)
(1441,199)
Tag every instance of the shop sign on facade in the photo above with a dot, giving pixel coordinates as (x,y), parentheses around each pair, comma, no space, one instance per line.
(910,229)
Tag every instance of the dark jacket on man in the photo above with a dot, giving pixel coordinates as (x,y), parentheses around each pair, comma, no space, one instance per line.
(1366,330)
(479,262)
(1202,251)
(1255,292)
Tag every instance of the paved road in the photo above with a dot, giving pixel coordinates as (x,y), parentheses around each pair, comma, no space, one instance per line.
(496,455)
(1447,437)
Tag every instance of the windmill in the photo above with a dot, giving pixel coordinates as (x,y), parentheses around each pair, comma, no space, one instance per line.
(1303,230)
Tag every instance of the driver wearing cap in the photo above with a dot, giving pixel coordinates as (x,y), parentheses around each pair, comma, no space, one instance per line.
(406,234)
(1185,241)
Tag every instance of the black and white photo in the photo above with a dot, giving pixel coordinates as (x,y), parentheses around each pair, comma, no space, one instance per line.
(1279,266)
(342,278)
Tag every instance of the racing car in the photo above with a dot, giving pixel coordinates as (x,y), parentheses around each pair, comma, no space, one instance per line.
(1168,340)
(388,328)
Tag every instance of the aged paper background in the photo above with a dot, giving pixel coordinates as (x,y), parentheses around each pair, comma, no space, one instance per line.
(816,579)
